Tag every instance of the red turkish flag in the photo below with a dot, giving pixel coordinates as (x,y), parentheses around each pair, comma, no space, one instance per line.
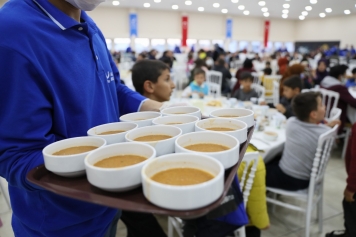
(267,26)
(184,30)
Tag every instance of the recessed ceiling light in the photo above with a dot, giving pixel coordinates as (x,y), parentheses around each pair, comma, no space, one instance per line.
(266,14)
(146,4)
(328,10)
(188,3)
(241,7)
(234,1)
(347,12)
(262,3)
(322,15)
(264,9)
(285,11)
(175,7)
(115,3)
(285,16)
(313,1)
(301,18)
(304,13)
(224,11)
(308,8)
(201,9)
(247,13)
(157,1)
(216,5)
(286,5)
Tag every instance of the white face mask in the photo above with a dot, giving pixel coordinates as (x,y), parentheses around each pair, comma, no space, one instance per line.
(85,5)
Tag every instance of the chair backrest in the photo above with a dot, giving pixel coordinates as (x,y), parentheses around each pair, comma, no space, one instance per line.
(335,114)
(256,78)
(276,95)
(246,183)
(214,90)
(261,91)
(214,80)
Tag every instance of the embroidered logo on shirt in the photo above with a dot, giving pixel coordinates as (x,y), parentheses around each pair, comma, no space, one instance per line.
(109,77)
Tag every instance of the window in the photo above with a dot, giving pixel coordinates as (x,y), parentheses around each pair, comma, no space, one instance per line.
(172,43)
(204,44)
(256,46)
(290,46)
(142,44)
(277,45)
(121,44)
(243,45)
(219,42)
(158,44)
(192,43)
(233,46)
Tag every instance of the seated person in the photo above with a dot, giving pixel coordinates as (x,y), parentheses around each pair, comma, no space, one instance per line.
(246,92)
(220,66)
(152,79)
(351,81)
(198,85)
(293,171)
(291,88)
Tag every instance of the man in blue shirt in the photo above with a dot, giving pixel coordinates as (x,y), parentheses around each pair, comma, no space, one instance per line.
(57,80)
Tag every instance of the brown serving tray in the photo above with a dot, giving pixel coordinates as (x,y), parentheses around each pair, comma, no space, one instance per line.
(134,200)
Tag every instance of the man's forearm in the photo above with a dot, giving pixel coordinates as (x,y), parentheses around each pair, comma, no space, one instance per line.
(151,105)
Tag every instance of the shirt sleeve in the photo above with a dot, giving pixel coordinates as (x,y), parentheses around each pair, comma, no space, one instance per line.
(347,97)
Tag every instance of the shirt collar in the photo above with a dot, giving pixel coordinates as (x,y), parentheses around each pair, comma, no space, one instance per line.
(62,20)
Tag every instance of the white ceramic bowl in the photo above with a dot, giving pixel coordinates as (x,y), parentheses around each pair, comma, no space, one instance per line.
(241,127)
(227,158)
(187,122)
(69,165)
(117,179)
(142,119)
(180,110)
(183,197)
(162,147)
(270,135)
(112,138)
(244,115)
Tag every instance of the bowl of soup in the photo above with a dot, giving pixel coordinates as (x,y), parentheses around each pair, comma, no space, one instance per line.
(182,110)
(233,127)
(142,119)
(160,137)
(184,122)
(244,115)
(183,181)
(117,167)
(112,132)
(66,157)
(223,147)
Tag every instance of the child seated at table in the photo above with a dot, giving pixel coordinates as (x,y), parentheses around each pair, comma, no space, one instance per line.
(245,92)
(293,171)
(291,88)
(351,81)
(197,86)
(151,78)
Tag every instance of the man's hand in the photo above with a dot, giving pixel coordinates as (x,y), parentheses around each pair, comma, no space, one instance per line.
(349,196)
(333,123)
(281,108)
(151,105)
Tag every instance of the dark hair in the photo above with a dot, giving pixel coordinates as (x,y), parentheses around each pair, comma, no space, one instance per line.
(338,70)
(167,61)
(198,71)
(200,63)
(246,76)
(294,82)
(268,63)
(353,71)
(248,64)
(221,62)
(267,71)
(304,103)
(145,70)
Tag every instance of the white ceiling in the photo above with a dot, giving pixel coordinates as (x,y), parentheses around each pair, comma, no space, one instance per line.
(275,7)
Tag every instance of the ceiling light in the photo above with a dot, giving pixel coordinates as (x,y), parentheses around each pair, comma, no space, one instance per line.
(146,4)
(175,7)
(313,1)
(246,13)
(188,3)
(115,3)
(285,11)
(301,18)
(201,9)
(347,12)
(266,14)
(286,5)
(234,1)
(308,8)
(322,15)
(241,7)
(224,11)
(216,5)
(328,10)
(157,1)
(262,3)
(285,16)
(304,13)
(264,9)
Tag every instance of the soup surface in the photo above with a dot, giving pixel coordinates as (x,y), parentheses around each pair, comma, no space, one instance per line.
(229,116)
(111,132)
(152,138)
(173,123)
(221,129)
(207,147)
(74,150)
(182,176)
(120,161)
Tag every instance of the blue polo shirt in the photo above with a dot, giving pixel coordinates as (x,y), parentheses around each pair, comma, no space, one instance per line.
(57,80)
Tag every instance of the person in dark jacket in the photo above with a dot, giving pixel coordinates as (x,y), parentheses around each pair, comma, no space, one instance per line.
(291,88)
(221,67)
(247,67)
(321,72)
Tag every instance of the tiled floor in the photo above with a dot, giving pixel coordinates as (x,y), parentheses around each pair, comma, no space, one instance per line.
(286,223)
